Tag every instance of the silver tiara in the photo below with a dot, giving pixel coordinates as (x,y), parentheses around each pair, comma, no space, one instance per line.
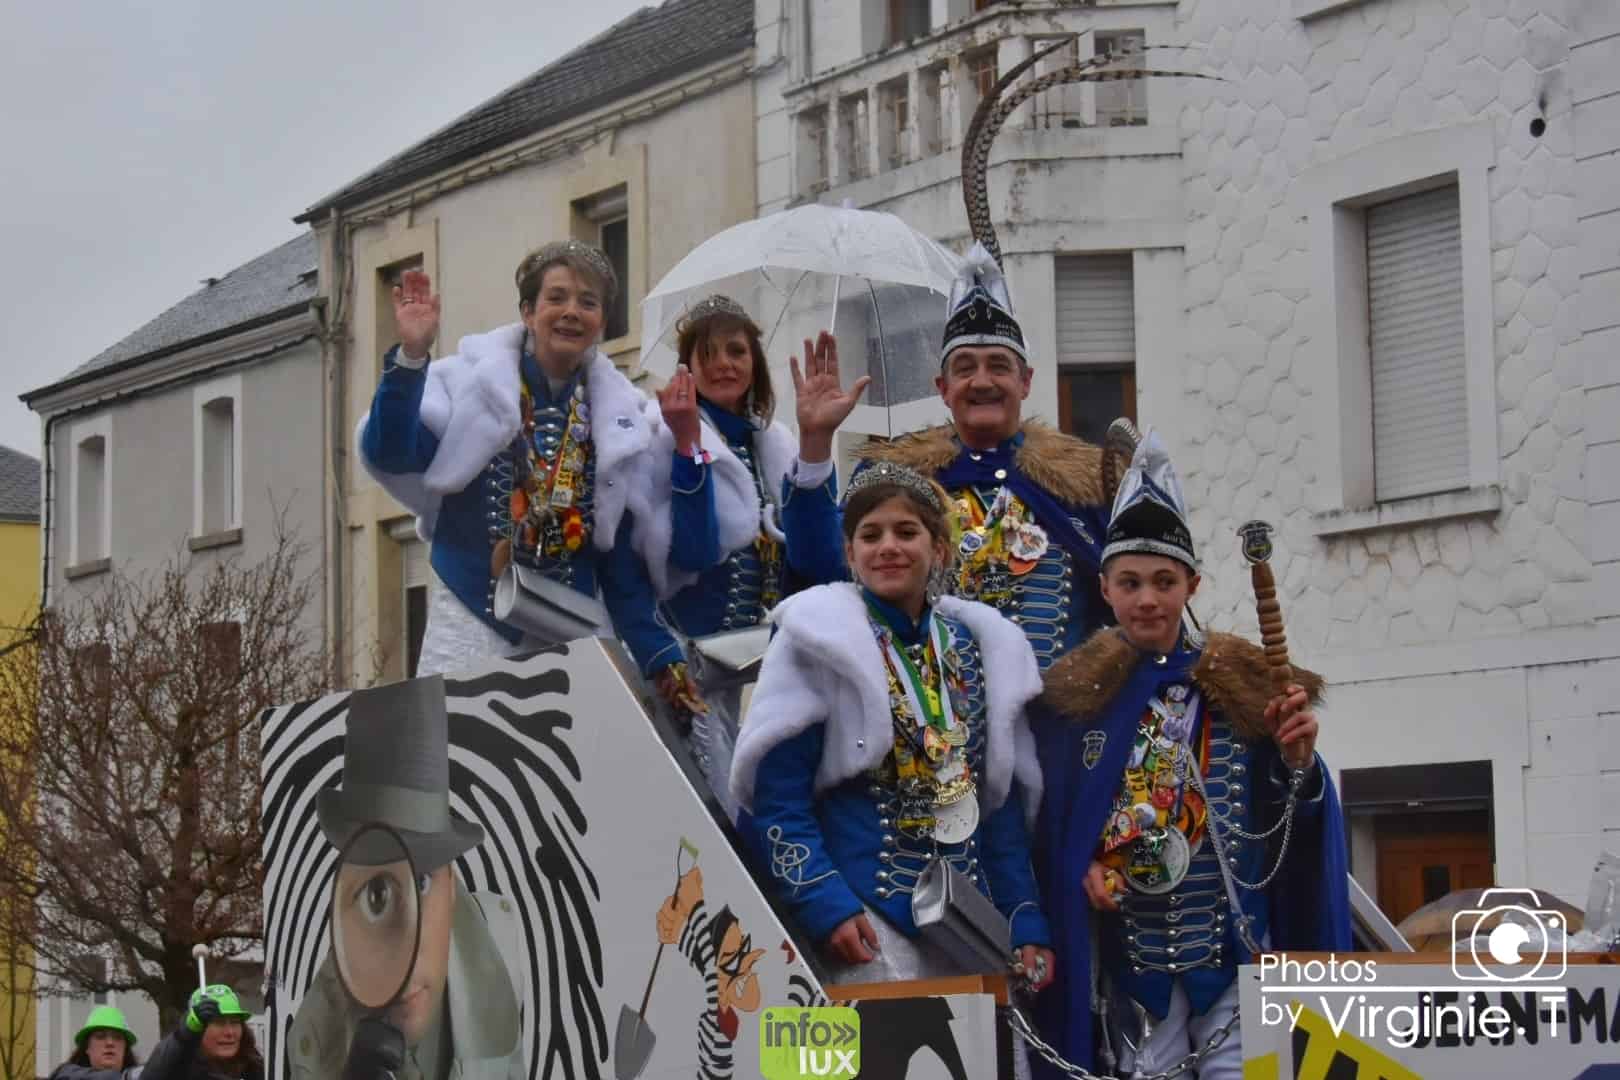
(887,472)
(540,258)
(709,306)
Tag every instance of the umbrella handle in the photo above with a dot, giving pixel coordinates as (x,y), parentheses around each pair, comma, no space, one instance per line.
(832,324)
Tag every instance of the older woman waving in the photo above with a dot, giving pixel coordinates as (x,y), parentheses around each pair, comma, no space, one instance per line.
(516,455)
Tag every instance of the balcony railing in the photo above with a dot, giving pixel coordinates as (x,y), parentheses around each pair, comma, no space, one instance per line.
(909,104)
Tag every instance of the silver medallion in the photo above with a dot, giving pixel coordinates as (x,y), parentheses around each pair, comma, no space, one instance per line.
(955,823)
(1165,868)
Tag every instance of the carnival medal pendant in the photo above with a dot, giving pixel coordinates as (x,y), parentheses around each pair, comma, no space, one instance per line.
(1158,862)
(1026,543)
(955,822)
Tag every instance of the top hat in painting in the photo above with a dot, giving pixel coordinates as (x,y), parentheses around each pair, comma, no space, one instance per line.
(396,772)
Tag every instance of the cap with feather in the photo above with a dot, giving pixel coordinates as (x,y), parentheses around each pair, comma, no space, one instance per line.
(981,311)
(1150,515)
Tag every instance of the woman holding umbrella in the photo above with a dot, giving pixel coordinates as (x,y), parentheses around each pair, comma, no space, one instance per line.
(516,454)
(738,512)
(104,1049)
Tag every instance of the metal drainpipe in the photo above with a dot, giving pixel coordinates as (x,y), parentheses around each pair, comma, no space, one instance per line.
(45,521)
(337,340)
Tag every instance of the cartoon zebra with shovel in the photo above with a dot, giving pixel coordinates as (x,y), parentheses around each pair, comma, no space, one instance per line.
(723,955)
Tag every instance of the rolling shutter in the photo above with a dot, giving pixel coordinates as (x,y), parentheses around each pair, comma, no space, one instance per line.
(1415,322)
(1096,310)
(416,564)
(413,552)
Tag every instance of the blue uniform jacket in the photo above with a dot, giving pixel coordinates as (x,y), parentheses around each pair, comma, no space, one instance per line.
(1058,478)
(809,521)
(824,853)
(396,441)
(1096,697)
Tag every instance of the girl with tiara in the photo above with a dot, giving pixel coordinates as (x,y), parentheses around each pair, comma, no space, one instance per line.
(887,731)
(737,513)
(517,454)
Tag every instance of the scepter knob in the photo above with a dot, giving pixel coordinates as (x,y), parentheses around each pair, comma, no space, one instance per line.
(1257,550)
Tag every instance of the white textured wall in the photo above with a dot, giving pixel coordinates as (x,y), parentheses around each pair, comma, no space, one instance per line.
(1297,96)
(1487,638)
(1595,84)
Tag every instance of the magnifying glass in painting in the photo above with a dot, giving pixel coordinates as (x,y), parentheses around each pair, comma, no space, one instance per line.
(376,925)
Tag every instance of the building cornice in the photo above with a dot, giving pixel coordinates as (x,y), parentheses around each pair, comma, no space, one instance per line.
(996,22)
(278,329)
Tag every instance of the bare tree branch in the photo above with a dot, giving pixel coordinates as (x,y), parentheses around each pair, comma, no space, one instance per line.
(129,770)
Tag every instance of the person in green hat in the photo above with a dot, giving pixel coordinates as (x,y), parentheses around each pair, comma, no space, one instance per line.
(104,1049)
(213,1042)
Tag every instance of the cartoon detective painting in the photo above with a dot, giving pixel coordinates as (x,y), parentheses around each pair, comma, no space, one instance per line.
(529,886)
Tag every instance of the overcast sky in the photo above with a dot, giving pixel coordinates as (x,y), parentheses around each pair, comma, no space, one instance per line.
(144,147)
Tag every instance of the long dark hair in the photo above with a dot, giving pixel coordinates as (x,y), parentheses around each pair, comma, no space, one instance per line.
(248,1061)
(697,334)
(81,1056)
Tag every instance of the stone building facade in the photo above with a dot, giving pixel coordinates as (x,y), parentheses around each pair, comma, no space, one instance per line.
(1372,281)
(1397,287)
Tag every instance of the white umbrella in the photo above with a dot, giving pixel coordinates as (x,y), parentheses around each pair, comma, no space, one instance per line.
(868,276)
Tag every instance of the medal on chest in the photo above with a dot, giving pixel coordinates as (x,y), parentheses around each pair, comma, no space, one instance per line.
(934,777)
(1158,820)
(998,545)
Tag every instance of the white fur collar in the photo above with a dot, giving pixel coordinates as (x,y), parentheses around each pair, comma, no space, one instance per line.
(471,402)
(824,667)
(738,509)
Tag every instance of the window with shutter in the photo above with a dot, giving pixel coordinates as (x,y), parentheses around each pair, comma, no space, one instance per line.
(1096,309)
(1096,342)
(1416,347)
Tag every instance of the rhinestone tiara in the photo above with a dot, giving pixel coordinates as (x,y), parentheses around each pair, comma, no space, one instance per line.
(709,306)
(556,252)
(887,472)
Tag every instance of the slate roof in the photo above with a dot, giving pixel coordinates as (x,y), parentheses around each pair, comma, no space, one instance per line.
(272,284)
(19,485)
(652,46)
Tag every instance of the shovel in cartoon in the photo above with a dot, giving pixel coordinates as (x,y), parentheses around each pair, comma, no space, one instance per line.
(633,1040)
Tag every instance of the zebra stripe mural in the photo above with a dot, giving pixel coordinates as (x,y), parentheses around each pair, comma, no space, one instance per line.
(589,827)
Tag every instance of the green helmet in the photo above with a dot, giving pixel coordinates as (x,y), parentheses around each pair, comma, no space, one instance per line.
(104,1017)
(229,1007)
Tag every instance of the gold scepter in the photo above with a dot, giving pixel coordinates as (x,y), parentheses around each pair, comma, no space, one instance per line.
(1257,549)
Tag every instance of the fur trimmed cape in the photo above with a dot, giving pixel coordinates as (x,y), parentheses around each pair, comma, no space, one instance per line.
(1069,468)
(824,667)
(737,505)
(1232,674)
(472,404)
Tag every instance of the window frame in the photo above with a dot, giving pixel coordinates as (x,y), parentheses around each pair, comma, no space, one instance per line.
(83,431)
(204,395)
(592,214)
(1334,197)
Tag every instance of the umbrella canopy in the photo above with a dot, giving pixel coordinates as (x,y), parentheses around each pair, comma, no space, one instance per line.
(877,283)
(1429,928)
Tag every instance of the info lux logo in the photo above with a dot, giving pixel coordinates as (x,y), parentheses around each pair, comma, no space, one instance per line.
(795,1044)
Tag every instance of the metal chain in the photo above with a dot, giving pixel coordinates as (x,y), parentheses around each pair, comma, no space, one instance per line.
(1295,782)
(1025,1031)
